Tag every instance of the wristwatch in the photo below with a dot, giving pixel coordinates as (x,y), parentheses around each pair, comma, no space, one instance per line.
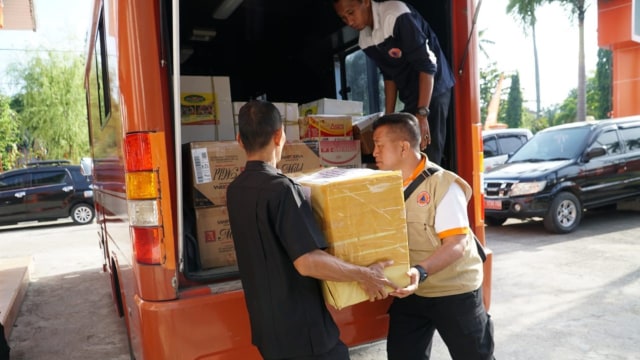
(423,273)
(423,111)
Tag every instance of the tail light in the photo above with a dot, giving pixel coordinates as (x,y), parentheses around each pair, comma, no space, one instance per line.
(143,198)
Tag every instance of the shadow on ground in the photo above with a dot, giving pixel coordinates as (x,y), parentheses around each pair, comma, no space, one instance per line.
(57,320)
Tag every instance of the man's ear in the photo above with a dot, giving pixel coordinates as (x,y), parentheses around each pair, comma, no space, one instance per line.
(239,140)
(277,136)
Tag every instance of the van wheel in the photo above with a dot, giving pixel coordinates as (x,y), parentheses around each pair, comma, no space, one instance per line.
(564,214)
(493,221)
(82,214)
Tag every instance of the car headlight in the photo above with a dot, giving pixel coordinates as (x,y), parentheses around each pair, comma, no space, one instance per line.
(525,188)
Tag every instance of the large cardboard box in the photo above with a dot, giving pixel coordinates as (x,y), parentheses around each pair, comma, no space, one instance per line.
(362,214)
(326,127)
(331,107)
(363,131)
(215,242)
(206,108)
(299,157)
(213,165)
(340,153)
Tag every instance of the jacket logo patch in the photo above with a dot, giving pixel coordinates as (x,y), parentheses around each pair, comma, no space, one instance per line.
(423,199)
(395,53)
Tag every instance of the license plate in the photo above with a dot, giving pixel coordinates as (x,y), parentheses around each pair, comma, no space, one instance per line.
(493,204)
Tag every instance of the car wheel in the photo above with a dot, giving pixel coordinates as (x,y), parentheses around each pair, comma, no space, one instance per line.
(564,214)
(493,221)
(82,214)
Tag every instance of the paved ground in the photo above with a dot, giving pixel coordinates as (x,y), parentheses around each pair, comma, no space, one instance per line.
(555,297)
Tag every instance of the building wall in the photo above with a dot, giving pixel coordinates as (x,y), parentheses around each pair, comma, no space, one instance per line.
(615,33)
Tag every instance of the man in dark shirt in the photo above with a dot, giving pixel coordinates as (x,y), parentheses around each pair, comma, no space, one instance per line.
(279,248)
(414,68)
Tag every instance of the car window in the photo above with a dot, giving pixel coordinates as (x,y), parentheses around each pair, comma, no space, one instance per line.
(550,145)
(631,138)
(609,140)
(490,147)
(50,178)
(12,182)
(510,144)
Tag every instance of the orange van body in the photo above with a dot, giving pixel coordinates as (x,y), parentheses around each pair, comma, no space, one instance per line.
(131,102)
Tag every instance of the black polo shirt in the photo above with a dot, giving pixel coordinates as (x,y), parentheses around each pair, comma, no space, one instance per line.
(402,44)
(272,225)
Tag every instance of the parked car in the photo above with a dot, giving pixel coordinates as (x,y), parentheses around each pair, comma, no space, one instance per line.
(46,191)
(499,143)
(565,170)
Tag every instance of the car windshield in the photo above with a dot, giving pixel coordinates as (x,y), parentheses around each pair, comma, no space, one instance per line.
(561,144)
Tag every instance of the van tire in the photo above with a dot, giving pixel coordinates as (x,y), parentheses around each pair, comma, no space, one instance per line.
(564,214)
(494,221)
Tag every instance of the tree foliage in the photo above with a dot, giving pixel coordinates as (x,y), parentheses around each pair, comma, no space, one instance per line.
(513,111)
(489,77)
(53,114)
(10,130)
(603,85)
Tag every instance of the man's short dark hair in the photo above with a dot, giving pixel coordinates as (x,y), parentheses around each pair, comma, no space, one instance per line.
(403,125)
(258,120)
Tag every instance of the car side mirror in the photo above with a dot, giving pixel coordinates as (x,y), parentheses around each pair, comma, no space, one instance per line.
(594,153)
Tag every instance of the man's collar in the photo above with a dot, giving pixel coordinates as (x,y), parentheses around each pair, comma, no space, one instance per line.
(421,166)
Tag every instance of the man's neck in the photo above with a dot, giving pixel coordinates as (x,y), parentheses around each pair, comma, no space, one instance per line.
(267,155)
(410,166)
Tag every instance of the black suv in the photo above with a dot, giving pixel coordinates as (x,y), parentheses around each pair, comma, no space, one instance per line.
(45,191)
(564,170)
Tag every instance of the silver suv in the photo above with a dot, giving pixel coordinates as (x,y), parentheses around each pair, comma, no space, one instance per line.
(499,143)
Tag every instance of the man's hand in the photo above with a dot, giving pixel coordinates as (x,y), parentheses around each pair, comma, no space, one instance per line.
(374,283)
(425,134)
(411,288)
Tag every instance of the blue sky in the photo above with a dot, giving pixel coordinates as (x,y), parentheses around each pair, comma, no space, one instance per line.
(62,26)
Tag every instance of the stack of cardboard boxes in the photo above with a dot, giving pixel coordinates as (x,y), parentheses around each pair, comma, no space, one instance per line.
(319,135)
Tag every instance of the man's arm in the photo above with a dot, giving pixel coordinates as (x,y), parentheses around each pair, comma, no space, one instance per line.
(321,265)
(451,250)
(425,91)
(390,95)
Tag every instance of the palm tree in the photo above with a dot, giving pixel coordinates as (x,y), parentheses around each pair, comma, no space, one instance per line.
(578,8)
(482,41)
(525,12)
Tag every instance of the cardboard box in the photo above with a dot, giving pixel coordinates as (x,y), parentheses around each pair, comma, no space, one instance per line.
(299,157)
(340,153)
(362,214)
(215,242)
(213,165)
(331,107)
(206,103)
(363,131)
(326,127)
(288,111)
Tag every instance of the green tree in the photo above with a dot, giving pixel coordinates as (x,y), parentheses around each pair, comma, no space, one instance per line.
(525,12)
(603,84)
(569,108)
(578,9)
(513,111)
(54,111)
(10,130)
